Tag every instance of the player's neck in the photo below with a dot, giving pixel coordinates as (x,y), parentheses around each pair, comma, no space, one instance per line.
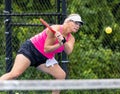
(65,31)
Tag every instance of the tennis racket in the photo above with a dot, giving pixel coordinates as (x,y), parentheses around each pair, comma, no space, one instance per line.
(47,25)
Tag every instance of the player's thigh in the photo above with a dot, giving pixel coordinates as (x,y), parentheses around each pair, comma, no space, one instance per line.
(21,64)
(55,70)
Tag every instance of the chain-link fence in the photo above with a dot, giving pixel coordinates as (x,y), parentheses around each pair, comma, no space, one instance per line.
(97,50)
(21,21)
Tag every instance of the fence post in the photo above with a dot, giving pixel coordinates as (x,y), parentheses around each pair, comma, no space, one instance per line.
(8,35)
(64,61)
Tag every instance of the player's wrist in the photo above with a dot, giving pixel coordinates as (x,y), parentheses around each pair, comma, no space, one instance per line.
(64,40)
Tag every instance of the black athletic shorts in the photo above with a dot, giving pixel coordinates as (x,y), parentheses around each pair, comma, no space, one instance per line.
(29,50)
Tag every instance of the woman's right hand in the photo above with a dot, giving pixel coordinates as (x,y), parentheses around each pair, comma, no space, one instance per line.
(60,37)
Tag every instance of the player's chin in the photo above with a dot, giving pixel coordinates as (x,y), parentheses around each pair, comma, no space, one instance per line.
(75,30)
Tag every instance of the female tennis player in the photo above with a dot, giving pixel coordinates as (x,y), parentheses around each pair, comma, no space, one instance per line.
(39,50)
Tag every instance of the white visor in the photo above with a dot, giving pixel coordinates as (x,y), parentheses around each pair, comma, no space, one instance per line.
(75,17)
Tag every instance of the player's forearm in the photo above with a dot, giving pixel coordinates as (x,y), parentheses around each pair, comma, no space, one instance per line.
(68,48)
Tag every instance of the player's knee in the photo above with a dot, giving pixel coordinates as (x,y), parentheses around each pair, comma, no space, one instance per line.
(15,74)
(61,75)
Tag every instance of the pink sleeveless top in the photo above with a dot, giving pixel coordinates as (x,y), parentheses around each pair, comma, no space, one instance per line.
(39,41)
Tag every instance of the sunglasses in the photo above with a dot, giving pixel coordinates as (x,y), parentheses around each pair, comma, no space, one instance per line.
(77,22)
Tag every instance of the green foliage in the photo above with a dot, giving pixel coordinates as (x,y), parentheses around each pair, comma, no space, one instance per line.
(97,16)
(91,61)
(2,64)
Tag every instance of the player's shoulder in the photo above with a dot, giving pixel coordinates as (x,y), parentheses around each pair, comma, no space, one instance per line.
(56,27)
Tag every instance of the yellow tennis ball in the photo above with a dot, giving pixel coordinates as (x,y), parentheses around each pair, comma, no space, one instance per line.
(108,30)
